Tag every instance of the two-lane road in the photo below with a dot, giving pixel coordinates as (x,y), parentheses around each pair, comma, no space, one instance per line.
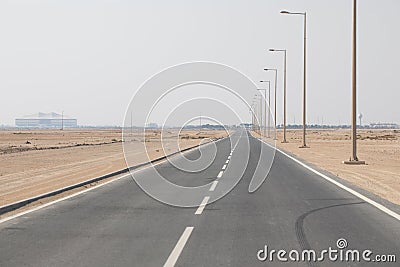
(119,225)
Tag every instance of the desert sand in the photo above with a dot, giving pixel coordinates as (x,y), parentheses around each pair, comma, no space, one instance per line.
(328,148)
(34,162)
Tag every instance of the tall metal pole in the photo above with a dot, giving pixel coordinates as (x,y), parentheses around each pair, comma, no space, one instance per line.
(261,115)
(265,109)
(269,112)
(257,113)
(269,106)
(131,127)
(354,158)
(304,80)
(284,92)
(275,98)
(354,83)
(276,81)
(284,100)
(304,72)
(252,116)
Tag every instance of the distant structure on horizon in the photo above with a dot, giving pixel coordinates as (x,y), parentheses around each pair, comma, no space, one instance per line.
(46,120)
(384,125)
(152,125)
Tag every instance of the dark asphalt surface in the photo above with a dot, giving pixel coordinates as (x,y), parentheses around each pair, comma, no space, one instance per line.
(120,225)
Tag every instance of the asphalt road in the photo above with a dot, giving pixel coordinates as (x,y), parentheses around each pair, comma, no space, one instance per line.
(120,225)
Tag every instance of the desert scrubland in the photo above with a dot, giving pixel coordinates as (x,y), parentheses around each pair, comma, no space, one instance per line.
(328,148)
(34,162)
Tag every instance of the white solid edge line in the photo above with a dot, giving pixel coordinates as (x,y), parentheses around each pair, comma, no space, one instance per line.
(202,206)
(227,161)
(99,185)
(176,252)
(220,174)
(224,167)
(213,186)
(351,191)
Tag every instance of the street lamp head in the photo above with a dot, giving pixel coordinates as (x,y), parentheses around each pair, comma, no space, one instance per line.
(285,12)
(272,50)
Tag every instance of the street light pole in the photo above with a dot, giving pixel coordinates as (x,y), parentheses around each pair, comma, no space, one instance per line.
(269,107)
(354,159)
(252,116)
(265,109)
(304,72)
(257,116)
(261,116)
(62,120)
(284,92)
(276,79)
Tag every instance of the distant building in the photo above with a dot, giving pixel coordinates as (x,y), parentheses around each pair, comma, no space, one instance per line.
(384,125)
(46,120)
(152,125)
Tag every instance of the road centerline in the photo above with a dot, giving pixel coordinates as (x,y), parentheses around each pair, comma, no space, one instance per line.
(176,252)
(214,184)
(203,204)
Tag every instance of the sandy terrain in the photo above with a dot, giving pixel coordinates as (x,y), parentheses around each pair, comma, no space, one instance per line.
(328,148)
(33,162)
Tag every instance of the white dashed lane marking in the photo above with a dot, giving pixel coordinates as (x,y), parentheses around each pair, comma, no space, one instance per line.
(173,257)
(213,186)
(202,206)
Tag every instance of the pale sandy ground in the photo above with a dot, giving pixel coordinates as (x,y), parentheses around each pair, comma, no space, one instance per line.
(34,162)
(328,148)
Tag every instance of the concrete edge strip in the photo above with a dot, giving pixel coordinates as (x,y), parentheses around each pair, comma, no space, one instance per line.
(19,204)
(351,191)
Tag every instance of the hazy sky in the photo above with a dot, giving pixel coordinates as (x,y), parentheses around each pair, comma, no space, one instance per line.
(89,57)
